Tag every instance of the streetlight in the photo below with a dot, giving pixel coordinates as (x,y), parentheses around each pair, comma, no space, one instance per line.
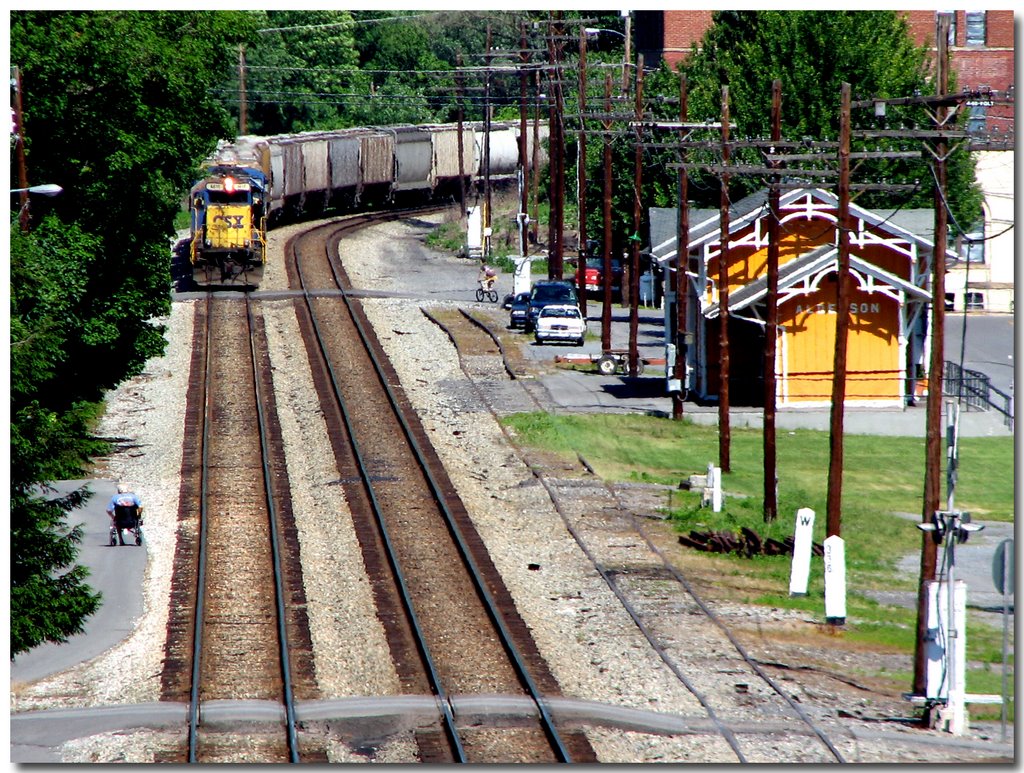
(47,189)
(592,32)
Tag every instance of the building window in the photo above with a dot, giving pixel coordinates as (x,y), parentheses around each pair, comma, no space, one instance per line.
(975,28)
(974,301)
(974,248)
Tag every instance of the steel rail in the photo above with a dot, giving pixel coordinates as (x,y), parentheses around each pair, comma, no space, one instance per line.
(512,652)
(197,641)
(723,729)
(275,548)
(197,633)
(444,703)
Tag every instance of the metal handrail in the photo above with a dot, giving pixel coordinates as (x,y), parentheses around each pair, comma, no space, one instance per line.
(974,389)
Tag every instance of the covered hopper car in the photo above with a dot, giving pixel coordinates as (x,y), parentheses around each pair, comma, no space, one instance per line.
(254,183)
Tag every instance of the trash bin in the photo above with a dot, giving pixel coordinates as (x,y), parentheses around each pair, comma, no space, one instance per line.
(647,289)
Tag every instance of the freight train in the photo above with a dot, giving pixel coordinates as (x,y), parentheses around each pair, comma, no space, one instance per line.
(255,183)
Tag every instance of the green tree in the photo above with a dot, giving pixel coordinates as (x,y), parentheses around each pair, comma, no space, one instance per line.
(49,433)
(302,72)
(813,53)
(116,112)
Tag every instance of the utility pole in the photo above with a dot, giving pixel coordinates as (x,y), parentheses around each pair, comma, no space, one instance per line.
(833,524)
(487,149)
(771,483)
(534,160)
(606,309)
(462,166)
(581,251)
(19,151)
(724,431)
(626,55)
(634,252)
(682,261)
(933,437)
(243,102)
(524,164)
(557,162)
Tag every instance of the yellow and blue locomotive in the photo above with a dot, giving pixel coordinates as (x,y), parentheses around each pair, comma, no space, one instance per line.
(229,226)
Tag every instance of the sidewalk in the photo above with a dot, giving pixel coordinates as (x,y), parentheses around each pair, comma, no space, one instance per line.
(578,391)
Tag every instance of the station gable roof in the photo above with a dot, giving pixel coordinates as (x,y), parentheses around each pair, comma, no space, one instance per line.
(915,225)
(808,264)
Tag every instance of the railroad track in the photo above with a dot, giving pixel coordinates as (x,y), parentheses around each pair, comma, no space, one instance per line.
(473,339)
(451,624)
(238,646)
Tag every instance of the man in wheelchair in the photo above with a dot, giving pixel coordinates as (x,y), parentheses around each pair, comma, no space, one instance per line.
(125,511)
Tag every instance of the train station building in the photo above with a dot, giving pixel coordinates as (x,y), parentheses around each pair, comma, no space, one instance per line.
(890,267)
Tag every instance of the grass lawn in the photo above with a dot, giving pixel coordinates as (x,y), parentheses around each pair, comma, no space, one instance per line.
(882,476)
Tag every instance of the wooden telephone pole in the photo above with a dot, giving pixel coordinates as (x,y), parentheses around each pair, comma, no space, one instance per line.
(771,483)
(682,261)
(634,251)
(581,168)
(833,524)
(724,431)
(19,151)
(243,100)
(933,418)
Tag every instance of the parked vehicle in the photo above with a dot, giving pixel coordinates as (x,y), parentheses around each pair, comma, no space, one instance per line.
(560,322)
(547,293)
(589,275)
(517,310)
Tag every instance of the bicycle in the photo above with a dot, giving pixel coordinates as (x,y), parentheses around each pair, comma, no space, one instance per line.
(486,290)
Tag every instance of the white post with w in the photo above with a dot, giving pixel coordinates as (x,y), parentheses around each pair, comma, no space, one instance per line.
(803,540)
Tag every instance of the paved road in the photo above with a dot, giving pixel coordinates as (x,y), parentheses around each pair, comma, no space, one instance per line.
(114,571)
(987,345)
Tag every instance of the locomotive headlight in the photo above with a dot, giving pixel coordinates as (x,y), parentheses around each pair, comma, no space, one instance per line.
(229,184)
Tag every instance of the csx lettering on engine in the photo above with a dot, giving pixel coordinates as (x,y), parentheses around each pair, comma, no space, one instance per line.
(231,221)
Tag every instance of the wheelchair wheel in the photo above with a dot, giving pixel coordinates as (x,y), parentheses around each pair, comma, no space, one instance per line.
(479,294)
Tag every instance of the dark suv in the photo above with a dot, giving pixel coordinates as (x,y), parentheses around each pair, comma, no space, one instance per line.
(546,294)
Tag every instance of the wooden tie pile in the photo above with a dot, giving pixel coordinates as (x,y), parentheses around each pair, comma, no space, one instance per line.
(746,543)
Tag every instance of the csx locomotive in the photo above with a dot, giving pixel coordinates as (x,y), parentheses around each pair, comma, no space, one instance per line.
(229,225)
(254,183)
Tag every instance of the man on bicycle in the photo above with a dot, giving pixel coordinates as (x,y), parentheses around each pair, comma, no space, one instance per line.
(486,276)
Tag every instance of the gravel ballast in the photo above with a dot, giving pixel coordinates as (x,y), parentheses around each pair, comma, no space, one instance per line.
(594,649)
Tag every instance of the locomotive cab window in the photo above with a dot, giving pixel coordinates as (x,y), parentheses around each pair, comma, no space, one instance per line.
(223,197)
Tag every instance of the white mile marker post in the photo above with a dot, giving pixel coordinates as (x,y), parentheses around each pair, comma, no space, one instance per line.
(835,580)
(803,540)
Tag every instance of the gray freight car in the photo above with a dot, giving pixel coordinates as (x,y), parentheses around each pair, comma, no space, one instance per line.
(371,168)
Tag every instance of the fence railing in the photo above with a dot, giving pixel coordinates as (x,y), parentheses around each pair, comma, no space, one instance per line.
(974,389)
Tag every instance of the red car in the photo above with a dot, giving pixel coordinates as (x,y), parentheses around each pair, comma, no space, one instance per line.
(590,275)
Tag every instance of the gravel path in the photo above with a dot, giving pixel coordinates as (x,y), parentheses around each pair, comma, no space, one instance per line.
(594,649)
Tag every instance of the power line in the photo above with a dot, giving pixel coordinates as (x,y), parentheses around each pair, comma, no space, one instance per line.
(347,23)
